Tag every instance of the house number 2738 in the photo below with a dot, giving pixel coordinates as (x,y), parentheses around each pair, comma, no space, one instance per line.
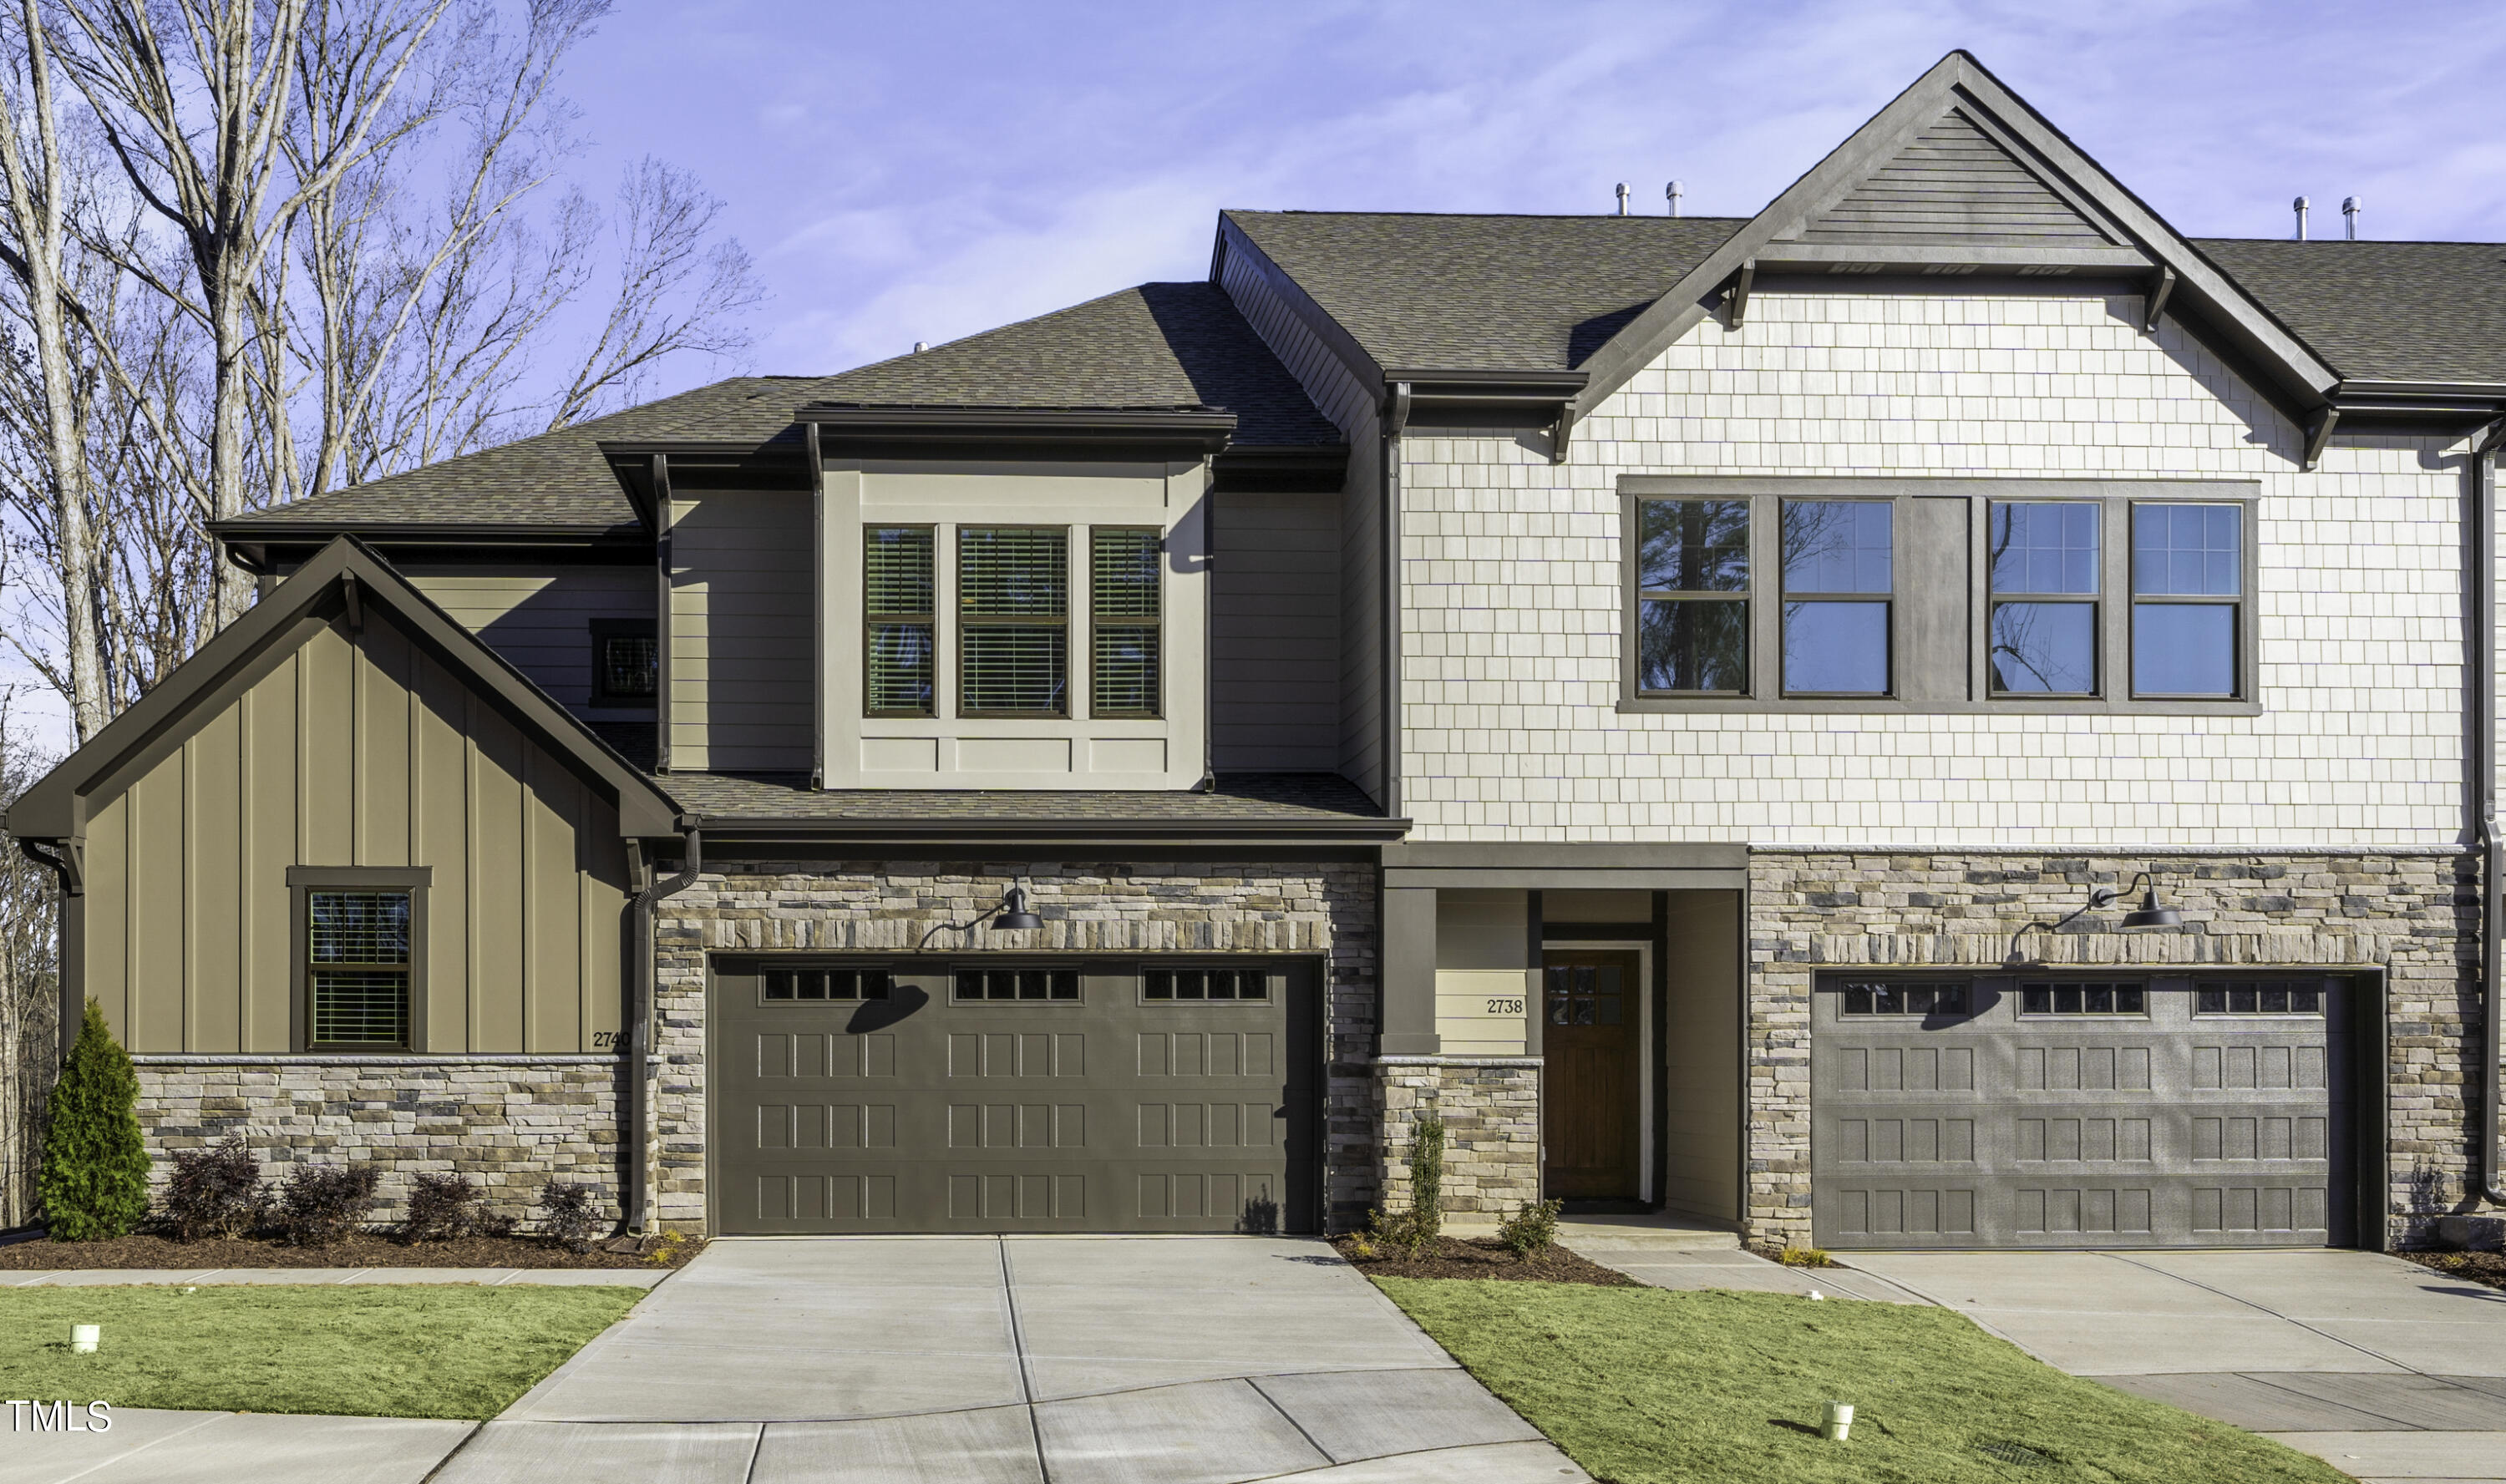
(1505,1008)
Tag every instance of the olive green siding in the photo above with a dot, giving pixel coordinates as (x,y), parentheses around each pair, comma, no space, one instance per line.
(356,752)
(539,618)
(744,611)
(1274,619)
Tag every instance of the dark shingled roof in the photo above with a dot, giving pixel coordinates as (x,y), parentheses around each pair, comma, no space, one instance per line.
(556,478)
(1156,346)
(2382,311)
(1321,800)
(1161,346)
(1482,293)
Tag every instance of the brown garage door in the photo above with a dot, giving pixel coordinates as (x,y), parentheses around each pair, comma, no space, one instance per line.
(971,1095)
(2113,1110)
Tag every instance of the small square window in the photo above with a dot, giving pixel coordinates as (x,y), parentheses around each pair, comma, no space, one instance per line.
(1920,1000)
(626,662)
(2086,999)
(2278,997)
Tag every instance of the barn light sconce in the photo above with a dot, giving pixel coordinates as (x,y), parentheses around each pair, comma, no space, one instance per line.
(1013,913)
(2151,913)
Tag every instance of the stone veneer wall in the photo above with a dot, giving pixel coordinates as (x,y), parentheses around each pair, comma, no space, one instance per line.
(1491,1110)
(511,1123)
(895,906)
(2412,914)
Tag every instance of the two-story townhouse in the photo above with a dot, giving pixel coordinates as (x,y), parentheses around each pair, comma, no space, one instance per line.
(1941,713)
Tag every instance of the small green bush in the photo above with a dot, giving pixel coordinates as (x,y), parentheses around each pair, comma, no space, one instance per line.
(1532,1230)
(1427,1180)
(95,1180)
(1804,1257)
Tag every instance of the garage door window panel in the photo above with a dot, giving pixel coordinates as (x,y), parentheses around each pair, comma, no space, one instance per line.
(1030,986)
(2268,998)
(2087,998)
(1913,1000)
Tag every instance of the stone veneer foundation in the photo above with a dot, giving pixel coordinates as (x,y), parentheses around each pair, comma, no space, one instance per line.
(2413,915)
(908,906)
(511,1123)
(1490,1106)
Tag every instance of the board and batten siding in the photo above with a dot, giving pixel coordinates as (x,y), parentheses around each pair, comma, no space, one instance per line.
(1274,633)
(357,751)
(742,609)
(539,618)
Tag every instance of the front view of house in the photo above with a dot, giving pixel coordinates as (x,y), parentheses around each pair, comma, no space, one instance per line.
(1942,713)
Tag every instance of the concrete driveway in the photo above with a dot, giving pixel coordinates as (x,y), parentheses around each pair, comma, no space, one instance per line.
(1090,1361)
(2386,1370)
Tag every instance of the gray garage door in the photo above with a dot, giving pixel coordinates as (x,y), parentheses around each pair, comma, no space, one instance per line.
(2025,1111)
(982,1096)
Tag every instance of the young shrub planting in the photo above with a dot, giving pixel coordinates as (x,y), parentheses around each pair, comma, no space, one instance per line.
(322,1203)
(567,1217)
(1426,1184)
(216,1192)
(95,1180)
(440,1207)
(1532,1230)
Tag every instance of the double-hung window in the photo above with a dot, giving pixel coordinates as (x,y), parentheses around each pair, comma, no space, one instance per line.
(1692,598)
(899,610)
(1014,620)
(2045,580)
(2187,599)
(360,941)
(1124,614)
(1838,581)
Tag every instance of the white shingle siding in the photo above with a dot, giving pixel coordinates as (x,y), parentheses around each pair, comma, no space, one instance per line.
(1512,605)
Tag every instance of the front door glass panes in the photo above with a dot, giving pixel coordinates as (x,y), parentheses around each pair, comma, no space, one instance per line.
(1691,596)
(2188,590)
(1014,620)
(897,597)
(356,968)
(1585,994)
(2045,583)
(1838,576)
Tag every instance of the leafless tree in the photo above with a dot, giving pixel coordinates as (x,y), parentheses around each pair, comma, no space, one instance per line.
(196,99)
(29,988)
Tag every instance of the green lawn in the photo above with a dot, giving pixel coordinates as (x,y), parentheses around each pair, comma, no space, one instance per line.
(1640,1385)
(416,1350)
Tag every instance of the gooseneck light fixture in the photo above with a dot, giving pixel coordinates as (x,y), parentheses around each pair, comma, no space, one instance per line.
(2151,913)
(1013,913)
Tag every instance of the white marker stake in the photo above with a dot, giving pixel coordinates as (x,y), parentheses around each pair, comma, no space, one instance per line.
(1836,1420)
(84,1338)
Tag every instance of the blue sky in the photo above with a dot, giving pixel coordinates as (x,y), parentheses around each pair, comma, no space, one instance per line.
(924,171)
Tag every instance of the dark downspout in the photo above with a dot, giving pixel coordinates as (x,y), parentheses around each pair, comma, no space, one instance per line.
(53,857)
(1396,418)
(2484,789)
(639,1025)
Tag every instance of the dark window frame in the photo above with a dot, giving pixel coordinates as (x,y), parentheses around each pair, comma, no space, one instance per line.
(1745,596)
(1846,987)
(1954,690)
(1786,597)
(955,974)
(2239,605)
(603,630)
(965,624)
(873,619)
(2094,601)
(302,881)
(2137,982)
(1265,970)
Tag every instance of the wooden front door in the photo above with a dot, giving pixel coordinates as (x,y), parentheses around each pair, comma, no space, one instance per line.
(1588,1084)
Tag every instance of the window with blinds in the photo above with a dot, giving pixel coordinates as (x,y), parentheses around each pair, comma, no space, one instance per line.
(1012,621)
(1123,612)
(356,967)
(898,613)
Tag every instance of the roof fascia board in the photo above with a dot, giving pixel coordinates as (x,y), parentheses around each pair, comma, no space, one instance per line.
(2300,376)
(1334,337)
(440,533)
(1820,257)
(844,428)
(724,828)
(54,809)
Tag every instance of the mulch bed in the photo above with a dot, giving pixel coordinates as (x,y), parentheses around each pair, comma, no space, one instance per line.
(366,1250)
(1484,1257)
(2480,1267)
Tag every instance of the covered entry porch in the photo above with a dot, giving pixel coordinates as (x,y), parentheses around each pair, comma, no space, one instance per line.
(1574,1013)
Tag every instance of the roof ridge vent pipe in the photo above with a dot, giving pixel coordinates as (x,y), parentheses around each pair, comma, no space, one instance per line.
(1672,193)
(2350,217)
(1622,197)
(2299,204)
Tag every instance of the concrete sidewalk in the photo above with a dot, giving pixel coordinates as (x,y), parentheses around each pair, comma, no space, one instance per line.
(2388,1371)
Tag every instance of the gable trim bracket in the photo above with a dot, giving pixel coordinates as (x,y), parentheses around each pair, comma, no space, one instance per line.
(2318,436)
(2161,289)
(1735,299)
